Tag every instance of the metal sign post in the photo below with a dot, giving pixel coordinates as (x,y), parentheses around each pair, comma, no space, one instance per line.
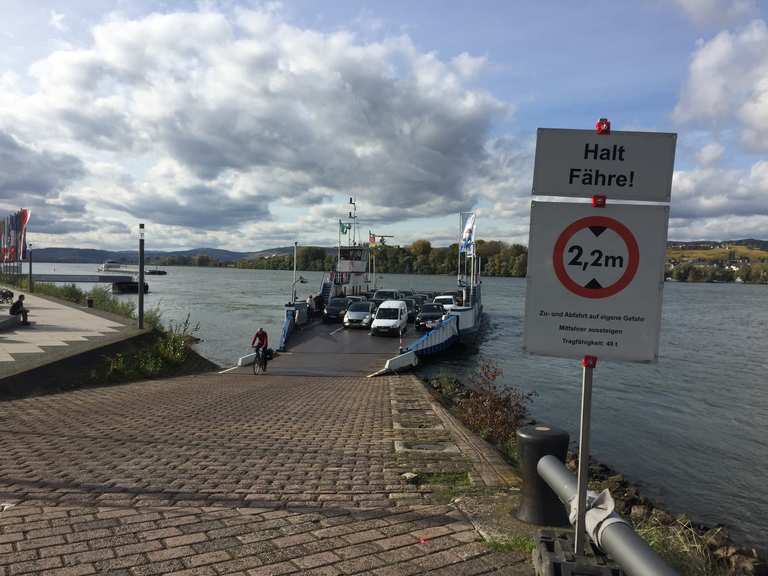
(588,364)
(595,272)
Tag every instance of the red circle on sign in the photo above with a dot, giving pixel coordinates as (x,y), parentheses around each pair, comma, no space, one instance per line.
(621,283)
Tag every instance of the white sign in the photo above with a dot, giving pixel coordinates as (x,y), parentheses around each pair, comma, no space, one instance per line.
(595,280)
(620,165)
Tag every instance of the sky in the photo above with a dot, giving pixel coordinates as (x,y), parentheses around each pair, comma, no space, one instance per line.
(249,125)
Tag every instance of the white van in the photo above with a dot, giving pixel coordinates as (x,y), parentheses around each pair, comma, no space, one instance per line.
(447,301)
(391,318)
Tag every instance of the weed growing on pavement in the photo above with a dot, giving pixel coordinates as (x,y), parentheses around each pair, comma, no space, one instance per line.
(516,543)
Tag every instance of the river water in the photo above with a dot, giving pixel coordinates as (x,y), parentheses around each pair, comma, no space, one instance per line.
(692,430)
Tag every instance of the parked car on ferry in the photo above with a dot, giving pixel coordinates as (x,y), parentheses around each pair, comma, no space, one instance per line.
(335,310)
(391,318)
(447,301)
(386,295)
(429,316)
(420,299)
(359,315)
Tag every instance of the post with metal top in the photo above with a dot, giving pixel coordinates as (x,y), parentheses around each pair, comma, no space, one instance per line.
(31,286)
(293,286)
(141,275)
(588,364)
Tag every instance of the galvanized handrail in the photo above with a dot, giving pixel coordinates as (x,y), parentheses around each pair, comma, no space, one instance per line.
(618,539)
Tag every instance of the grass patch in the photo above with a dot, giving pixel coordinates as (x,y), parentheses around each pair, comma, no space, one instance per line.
(168,352)
(516,543)
(103,299)
(717,254)
(453,479)
(445,485)
(682,546)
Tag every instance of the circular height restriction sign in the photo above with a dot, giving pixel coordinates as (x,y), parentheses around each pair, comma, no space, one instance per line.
(596,257)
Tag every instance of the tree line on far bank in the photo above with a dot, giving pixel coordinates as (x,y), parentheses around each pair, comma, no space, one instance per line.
(748,273)
(497,259)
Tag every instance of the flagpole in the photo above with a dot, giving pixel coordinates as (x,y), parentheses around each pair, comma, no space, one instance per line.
(458,268)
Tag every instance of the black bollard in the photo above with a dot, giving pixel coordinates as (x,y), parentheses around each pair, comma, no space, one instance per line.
(538,503)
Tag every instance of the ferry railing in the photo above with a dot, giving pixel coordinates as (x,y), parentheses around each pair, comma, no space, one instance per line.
(606,529)
(288,323)
(438,335)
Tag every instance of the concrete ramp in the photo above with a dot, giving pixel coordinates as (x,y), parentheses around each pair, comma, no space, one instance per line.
(320,349)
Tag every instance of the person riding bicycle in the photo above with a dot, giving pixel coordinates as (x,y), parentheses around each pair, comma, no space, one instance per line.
(259,344)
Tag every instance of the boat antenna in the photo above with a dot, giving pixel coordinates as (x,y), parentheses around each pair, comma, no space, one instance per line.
(353,216)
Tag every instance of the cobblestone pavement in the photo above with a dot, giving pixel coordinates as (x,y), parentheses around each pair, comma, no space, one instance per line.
(235,474)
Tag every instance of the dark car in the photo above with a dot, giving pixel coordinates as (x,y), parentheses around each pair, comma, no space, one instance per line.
(420,299)
(412,311)
(429,316)
(335,310)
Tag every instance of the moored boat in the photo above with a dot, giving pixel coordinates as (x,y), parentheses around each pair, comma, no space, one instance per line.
(350,277)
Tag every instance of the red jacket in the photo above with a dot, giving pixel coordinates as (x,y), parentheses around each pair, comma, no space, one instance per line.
(262,338)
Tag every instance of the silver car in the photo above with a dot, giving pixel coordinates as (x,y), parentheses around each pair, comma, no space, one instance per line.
(359,315)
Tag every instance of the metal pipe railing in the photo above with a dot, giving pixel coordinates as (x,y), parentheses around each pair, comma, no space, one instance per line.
(618,539)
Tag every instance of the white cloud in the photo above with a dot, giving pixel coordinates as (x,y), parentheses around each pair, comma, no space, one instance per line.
(56,21)
(711,192)
(717,12)
(727,85)
(710,154)
(220,124)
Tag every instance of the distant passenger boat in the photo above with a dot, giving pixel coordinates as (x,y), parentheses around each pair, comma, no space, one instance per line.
(156,272)
(109,266)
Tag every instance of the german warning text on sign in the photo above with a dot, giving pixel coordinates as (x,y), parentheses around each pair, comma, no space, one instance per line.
(595,279)
(620,165)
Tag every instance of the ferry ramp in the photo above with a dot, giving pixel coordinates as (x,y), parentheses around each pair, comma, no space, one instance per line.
(323,349)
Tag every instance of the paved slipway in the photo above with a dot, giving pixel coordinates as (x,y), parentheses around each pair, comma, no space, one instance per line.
(239,474)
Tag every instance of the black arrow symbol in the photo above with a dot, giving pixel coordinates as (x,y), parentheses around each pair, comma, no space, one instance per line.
(597,230)
(593,284)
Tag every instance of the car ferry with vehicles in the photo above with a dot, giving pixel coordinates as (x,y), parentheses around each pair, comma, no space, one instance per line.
(349,293)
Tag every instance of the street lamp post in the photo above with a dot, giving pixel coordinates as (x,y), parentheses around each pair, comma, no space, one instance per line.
(141,276)
(293,286)
(29,258)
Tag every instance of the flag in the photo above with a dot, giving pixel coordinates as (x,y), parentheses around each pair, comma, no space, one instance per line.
(468,236)
(24,221)
(371,239)
(343,228)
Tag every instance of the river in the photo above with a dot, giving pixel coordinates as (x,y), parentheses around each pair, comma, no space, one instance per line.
(691,430)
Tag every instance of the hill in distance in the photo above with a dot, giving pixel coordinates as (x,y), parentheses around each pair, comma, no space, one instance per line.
(94,256)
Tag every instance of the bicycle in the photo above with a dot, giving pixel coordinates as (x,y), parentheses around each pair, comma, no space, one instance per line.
(260,362)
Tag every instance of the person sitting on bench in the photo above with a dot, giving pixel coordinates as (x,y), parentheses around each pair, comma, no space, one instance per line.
(17,309)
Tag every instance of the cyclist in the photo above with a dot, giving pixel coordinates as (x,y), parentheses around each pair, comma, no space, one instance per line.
(259,344)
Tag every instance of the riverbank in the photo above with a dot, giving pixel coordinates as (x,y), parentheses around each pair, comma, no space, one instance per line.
(690,547)
(71,346)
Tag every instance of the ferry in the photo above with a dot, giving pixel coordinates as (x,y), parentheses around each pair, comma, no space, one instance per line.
(313,348)
(110,266)
(114,266)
